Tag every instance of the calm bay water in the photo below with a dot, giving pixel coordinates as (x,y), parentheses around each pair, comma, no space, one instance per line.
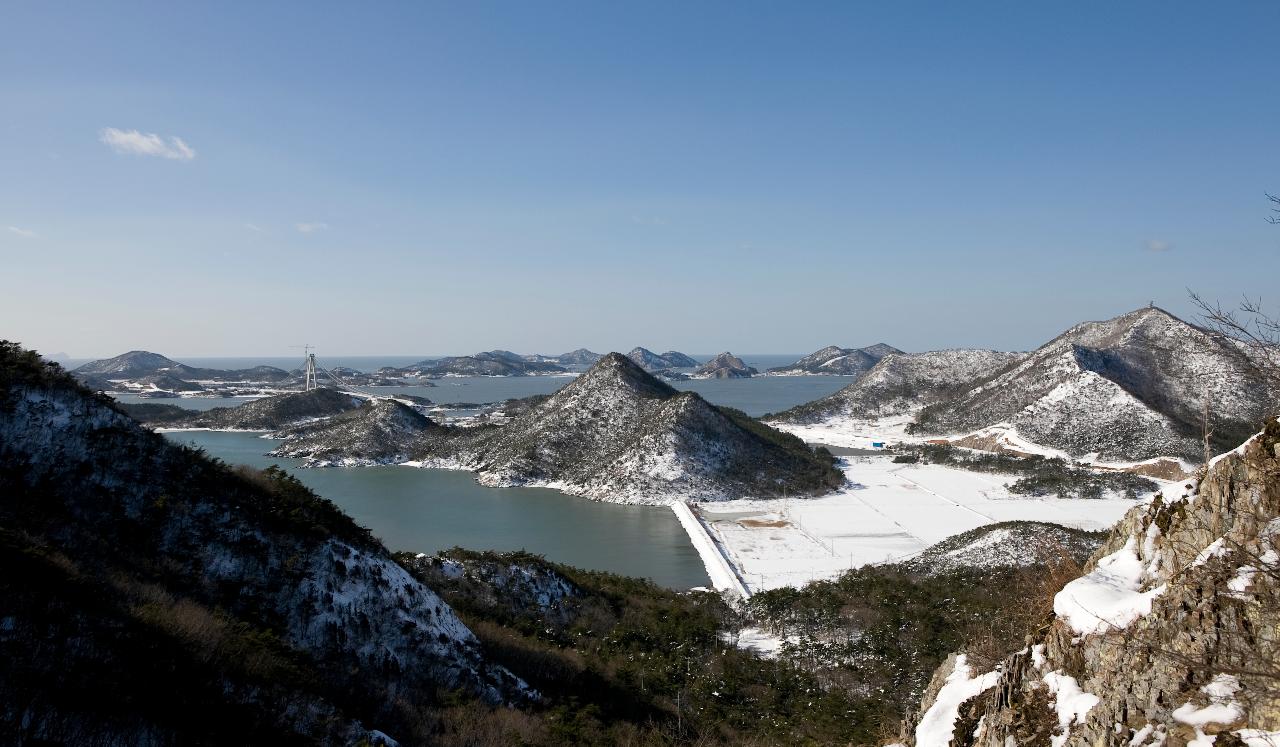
(425,510)
(755,396)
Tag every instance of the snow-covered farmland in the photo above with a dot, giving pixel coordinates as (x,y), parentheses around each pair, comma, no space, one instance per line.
(888,512)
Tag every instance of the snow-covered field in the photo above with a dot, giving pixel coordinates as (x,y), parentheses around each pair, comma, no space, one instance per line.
(889,512)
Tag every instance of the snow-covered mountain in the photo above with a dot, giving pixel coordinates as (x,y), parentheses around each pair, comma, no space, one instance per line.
(1127,389)
(239,602)
(900,384)
(724,366)
(835,360)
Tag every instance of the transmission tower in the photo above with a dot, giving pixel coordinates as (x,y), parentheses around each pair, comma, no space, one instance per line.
(310,382)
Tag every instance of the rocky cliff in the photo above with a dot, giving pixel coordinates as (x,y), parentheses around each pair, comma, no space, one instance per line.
(1171,636)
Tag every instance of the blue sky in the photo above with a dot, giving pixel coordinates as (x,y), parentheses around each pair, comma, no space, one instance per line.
(759,177)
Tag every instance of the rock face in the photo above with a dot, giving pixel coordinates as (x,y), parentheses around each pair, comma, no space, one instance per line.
(834,360)
(1172,636)
(266,414)
(1127,389)
(492,363)
(725,366)
(617,433)
(901,384)
(153,596)
(381,431)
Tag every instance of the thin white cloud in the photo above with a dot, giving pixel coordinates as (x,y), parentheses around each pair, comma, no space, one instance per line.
(312,227)
(253,227)
(23,232)
(1156,245)
(134,143)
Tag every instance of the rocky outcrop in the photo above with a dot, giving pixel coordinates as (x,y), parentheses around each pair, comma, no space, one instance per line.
(1171,636)
(724,366)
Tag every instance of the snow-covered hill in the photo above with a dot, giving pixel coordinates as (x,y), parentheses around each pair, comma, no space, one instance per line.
(651,361)
(617,433)
(1009,544)
(381,431)
(269,413)
(835,360)
(128,365)
(899,384)
(1127,389)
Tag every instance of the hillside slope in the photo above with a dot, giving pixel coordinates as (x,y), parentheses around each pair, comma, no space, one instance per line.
(1170,636)
(154,596)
